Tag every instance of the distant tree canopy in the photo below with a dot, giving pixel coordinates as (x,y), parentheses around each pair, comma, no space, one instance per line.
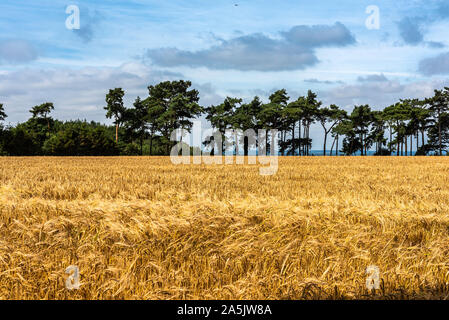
(145,127)
(78,138)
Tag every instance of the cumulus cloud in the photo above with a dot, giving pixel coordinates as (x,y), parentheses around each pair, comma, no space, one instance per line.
(320,36)
(373,78)
(17,51)
(380,94)
(435,44)
(313,80)
(435,65)
(257,52)
(208,94)
(412,30)
(75,93)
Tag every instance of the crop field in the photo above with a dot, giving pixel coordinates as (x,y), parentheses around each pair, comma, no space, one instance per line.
(143,228)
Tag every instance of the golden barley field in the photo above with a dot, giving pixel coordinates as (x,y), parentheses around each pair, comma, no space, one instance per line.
(143,228)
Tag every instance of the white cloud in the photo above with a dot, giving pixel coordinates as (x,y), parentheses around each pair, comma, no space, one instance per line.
(258,52)
(380,94)
(435,65)
(17,51)
(76,93)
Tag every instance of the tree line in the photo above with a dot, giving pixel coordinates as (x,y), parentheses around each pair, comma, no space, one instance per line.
(408,127)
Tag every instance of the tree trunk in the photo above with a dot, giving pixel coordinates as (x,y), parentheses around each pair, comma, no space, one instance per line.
(283,142)
(397,142)
(423,136)
(332,148)
(116,132)
(391,140)
(405,143)
(336,149)
(141,145)
(266,143)
(417,140)
(308,140)
(366,146)
(361,143)
(236,149)
(439,133)
(245,146)
(325,142)
(293,139)
(351,145)
(305,142)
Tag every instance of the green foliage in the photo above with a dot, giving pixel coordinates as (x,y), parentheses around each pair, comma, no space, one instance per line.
(172,105)
(145,128)
(80,139)
(272,114)
(18,141)
(136,124)
(333,115)
(245,117)
(2,113)
(439,106)
(439,134)
(115,107)
(42,111)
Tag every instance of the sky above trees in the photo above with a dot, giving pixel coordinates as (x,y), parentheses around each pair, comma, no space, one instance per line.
(226,48)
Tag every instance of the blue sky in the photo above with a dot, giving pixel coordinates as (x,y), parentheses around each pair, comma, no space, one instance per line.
(226,48)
